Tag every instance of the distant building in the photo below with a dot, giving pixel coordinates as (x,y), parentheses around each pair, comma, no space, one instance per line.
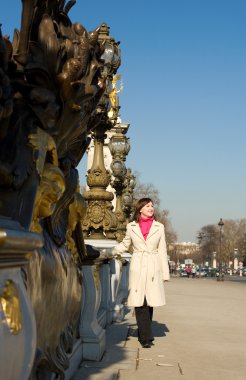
(179,252)
(186,249)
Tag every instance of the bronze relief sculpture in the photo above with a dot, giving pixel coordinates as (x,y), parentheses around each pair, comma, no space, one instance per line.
(51,96)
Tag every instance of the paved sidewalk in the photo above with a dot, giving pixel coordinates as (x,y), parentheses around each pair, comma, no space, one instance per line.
(199,335)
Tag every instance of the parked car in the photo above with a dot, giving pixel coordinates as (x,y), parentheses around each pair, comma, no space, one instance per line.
(202,273)
(205,272)
(183,273)
(241,271)
(213,272)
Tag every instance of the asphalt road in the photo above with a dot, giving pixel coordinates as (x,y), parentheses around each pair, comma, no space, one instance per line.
(237,278)
(241,279)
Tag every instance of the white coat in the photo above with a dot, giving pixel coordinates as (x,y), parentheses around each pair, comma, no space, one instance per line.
(148,266)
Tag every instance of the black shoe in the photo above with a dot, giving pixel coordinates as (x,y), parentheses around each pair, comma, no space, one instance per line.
(145,344)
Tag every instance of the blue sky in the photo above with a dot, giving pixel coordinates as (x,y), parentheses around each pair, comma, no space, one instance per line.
(184,73)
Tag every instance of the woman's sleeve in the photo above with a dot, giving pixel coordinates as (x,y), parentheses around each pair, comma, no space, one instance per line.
(162,250)
(125,244)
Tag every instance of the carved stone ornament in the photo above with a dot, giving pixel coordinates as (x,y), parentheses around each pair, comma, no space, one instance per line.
(98,178)
(100,222)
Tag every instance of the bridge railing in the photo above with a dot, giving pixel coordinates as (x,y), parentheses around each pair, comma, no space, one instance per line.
(104,293)
(105,289)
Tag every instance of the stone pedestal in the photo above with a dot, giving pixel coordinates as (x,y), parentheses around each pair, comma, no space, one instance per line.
(114,294)
(105,246)
(105,289)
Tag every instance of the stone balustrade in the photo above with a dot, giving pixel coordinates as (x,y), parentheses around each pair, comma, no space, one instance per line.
(104,292)
(17,322)
(105,289)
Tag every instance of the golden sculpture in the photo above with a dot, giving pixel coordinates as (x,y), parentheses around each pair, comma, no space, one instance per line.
(51,188)
(114,98)
(77,212)
(10,303)
(43,145)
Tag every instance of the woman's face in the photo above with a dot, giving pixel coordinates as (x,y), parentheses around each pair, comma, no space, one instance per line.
(147,210)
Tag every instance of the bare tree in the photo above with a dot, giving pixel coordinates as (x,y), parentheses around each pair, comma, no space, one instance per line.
(208,239)
(163,217)
(148,190)
(233,237)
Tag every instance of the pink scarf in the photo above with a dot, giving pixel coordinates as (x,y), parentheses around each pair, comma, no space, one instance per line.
(145,224)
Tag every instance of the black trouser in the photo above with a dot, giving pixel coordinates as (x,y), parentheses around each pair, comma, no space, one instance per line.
(144,316)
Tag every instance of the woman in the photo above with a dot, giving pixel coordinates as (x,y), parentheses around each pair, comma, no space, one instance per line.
(148,266)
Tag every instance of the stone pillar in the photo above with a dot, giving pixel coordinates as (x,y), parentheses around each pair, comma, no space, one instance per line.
(119,288)
(105,247)
(104,316)
(236,263)
(214,263)
(126,257)
(92,334)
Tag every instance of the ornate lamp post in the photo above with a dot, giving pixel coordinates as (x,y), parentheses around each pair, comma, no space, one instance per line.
(119,147)
(112,53)
(220,277)
(112,59)
(200,237)
(100,222)
(127,196)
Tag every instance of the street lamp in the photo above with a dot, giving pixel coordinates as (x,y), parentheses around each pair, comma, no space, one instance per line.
(220,277)
(119,147)
(112,54)
(200,236)
(100,221)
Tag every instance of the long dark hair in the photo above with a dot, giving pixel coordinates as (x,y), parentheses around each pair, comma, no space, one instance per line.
(139,205)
